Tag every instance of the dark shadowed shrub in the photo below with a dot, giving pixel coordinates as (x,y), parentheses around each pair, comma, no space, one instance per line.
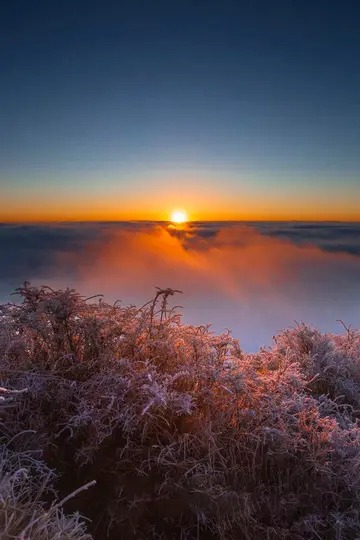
(28,504)
(187,436)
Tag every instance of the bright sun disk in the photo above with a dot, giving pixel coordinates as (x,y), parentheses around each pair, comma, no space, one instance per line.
(179,216)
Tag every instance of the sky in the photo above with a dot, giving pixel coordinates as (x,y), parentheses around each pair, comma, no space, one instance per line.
(228,109)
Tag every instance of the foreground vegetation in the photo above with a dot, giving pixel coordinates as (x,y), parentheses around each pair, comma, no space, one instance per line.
(118,422)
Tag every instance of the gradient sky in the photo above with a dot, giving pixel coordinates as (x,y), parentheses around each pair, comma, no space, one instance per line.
(230,109)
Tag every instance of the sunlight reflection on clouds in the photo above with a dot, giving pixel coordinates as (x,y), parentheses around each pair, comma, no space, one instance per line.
(251,278)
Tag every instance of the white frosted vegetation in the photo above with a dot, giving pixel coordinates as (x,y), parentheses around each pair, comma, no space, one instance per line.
(185,434)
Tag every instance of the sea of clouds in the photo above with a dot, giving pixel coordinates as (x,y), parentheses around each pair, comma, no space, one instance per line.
(253,278)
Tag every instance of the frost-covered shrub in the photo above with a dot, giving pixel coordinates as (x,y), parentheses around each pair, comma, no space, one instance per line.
(332,361)
(26,487)
(185,434)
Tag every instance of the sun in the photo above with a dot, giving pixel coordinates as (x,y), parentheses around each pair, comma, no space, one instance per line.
(179,216)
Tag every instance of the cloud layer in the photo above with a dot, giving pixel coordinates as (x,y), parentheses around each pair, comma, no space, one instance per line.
(254,278)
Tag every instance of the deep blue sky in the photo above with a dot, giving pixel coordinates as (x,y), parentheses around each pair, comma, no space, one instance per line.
(252,106)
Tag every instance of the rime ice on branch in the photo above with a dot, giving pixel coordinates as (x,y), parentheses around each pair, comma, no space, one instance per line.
(186,435)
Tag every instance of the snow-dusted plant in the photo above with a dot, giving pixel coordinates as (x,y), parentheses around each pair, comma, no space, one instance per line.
(26,489)
(187,435)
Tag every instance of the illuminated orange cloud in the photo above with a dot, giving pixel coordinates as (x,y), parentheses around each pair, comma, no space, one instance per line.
(237,261)
(231,276)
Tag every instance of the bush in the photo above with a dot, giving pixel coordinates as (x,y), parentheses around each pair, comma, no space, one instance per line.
(25,484)
(185,434)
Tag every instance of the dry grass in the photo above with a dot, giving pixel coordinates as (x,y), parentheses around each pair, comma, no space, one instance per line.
(186,436)
(25,486)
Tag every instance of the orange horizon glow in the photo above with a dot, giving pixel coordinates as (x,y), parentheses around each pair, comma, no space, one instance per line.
(202,197)
(213,207)
(45,218)
(52,216)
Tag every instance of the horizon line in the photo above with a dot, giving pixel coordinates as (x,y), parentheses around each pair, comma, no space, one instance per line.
(74,221)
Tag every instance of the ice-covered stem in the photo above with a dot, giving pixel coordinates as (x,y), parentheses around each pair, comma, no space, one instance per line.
(165,293)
